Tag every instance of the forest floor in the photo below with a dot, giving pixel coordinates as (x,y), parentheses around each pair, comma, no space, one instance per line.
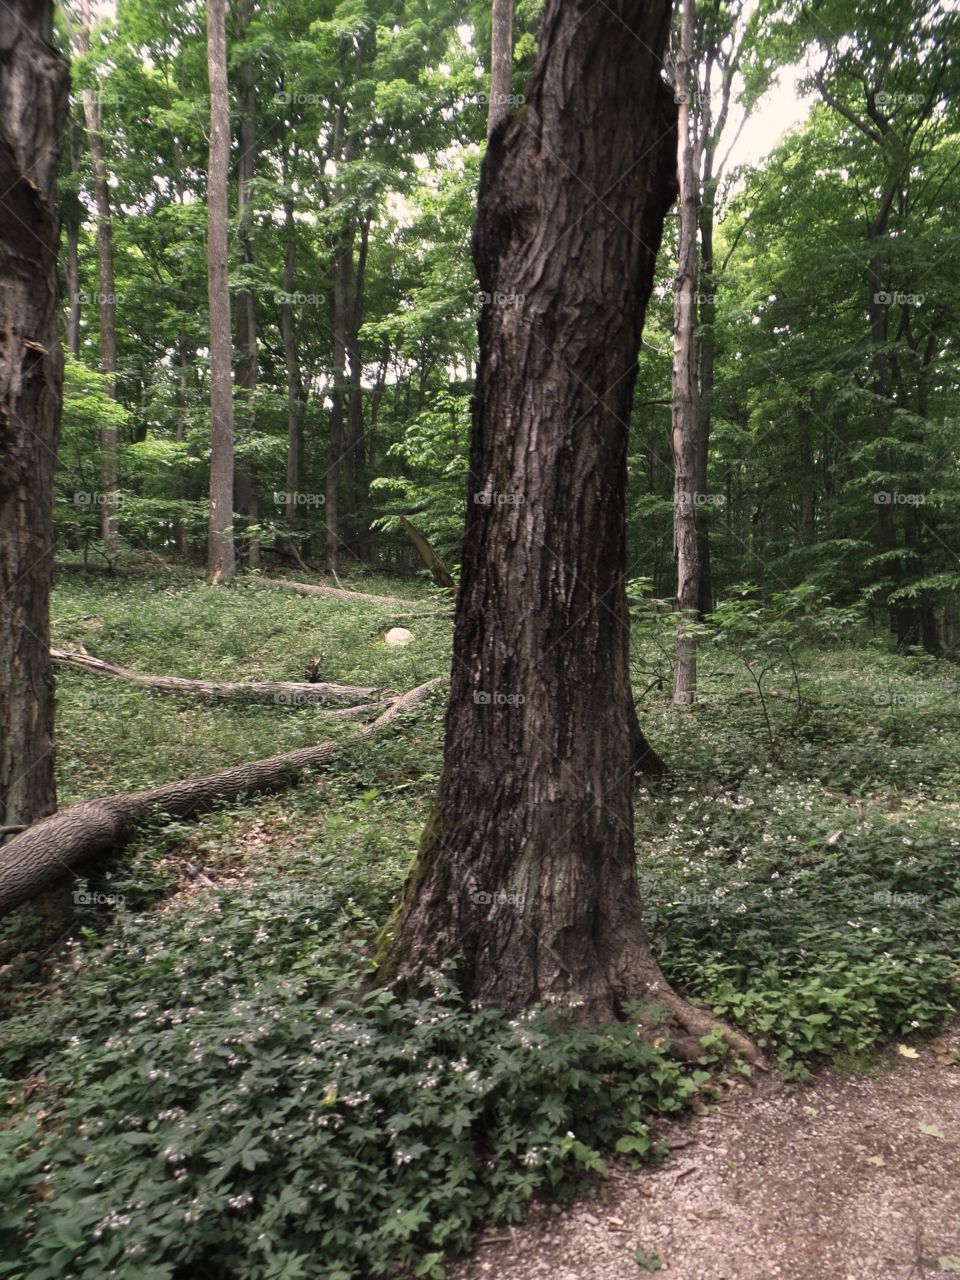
(799,872)
(848,1177)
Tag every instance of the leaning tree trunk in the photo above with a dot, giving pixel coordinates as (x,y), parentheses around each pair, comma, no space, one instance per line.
(686,401)
(526,874)
(221,561)
(33,109)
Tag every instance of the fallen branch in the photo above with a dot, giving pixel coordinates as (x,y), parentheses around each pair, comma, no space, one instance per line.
(55,844)
(282,692)
(339,593)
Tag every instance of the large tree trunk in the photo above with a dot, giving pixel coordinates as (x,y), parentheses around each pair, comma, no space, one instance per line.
(44,851)
(33,107)
(501,63)
(107,300)
(687,454)
(221,562)
(526,874)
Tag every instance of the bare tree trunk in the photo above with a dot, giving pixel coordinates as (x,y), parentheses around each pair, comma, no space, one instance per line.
(295,392)
(354,454)
(526,874)
(221,562)
(247,495)
(501,64)
(73,219)
(33,109)
(107,300)
(686,435)
(183,403)
(807,530)
(342,269)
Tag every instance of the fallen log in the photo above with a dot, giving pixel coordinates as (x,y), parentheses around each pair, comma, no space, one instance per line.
(282,692)
(55,844)
(340,593)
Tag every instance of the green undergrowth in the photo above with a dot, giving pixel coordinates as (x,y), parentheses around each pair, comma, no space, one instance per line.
(201,1082)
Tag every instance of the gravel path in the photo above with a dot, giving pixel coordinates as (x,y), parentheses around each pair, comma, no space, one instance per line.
(835,1180)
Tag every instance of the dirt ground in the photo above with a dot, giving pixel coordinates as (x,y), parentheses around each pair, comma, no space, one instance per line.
(850,1177)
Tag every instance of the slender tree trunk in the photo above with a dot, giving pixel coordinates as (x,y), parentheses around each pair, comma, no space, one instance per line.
(33,109)
(107,299)
(183,403)
(247,492)
(501,64)
(337,398)
(354,454)
(687,452)
(73,220)
(526,875)
(808,481)
(221,563)
(295,391)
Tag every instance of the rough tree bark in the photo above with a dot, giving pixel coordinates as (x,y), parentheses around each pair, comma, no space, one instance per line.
(501,63)
(221,561)
(44,851)
(686,398)
(33,109)
(107,301)
(526,873)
